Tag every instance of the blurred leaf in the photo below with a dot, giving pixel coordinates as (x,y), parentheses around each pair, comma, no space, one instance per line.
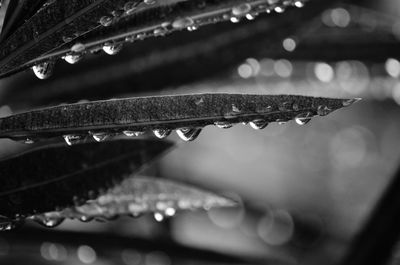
(54,177)
(161,114)
(138,195)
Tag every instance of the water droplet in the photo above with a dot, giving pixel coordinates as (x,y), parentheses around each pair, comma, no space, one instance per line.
(234,20)
(279,9)
(100,137)
(106,21)
(117,13)
(44,70)
(241,10)
(29,141)
(50,220)
(281,122)
(235,109)
(192,28)
(170,212)
(73,58)
(8,225)
(112,49)
(188,134)
(72,139)
(348,102)
(130,7)
(160,32)
(303,118)
(132,133)
(250,17)
(223,124)
(182,23)
(162,133)
(199,101)
(258,124)
(159,217)
(67,39)
(85,218)
(299,4)
(323,110)
(78,48)
(149,2)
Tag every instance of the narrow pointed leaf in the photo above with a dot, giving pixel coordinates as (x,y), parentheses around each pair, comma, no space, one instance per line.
(54,30)
(112,117)
(139,195)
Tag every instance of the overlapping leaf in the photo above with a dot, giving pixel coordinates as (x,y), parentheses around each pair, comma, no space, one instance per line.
(57,176)
(136,196)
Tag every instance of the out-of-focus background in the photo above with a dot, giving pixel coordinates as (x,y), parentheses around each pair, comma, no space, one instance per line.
(305,191)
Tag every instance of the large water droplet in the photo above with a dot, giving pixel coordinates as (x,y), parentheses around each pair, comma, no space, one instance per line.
(258,124)
(50,220)
(112,49)
(182,23)
(72,139)
(44,70)
(303,118)
(73,58)
(241,10)
(161,133)
(188,134)
(223,124)
(100,137)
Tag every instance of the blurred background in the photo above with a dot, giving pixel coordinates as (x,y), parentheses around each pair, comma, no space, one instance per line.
(304,191)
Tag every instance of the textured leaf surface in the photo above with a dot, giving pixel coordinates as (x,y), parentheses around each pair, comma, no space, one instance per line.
(59,23)
(162,114)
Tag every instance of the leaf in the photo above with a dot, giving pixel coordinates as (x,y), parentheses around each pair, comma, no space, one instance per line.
(178,59)
(53,25)
(15,13)
(56,176)
(186,113)
(136,196)
(48,36)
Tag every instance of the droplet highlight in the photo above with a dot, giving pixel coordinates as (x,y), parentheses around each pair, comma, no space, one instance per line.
(188,134)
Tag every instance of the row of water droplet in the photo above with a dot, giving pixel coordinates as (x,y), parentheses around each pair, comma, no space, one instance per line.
(190,132)
(249,11)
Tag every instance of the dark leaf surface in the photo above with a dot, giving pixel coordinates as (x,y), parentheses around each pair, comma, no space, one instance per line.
(59,176)
(161,114)
(86,26)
